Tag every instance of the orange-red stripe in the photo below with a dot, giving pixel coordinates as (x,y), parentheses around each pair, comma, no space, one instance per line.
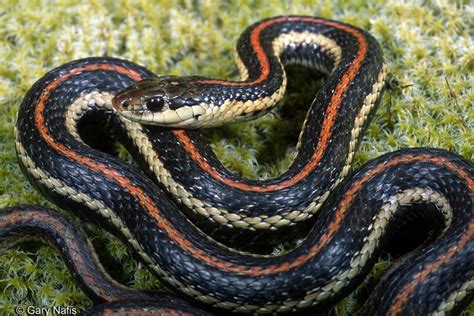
(175,235)
(260,53)
(402,298)
(329,118)
(15,218)
(167,227)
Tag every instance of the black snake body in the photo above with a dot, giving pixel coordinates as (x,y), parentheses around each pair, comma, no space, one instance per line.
(357,217)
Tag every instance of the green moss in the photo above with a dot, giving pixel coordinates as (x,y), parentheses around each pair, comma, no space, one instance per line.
(426,46)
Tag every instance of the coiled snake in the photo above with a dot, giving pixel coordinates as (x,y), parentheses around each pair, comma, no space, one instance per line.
(356,214)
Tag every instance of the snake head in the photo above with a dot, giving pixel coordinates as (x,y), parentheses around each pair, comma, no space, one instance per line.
(165,101)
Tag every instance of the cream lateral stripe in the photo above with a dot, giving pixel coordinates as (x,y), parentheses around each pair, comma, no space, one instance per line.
(369,102)
(97,206)
(307,38)
(66,191)
(87,101)
(183,196)
(359,260)
(204,208)
(297,39)
(235,111)
(458,295)
(201,207)
(376,229)
(80,106)
(142,142)
(210,114)
(243,71)
(222,216)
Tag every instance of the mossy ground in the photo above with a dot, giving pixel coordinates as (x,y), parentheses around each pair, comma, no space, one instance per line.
(427,46)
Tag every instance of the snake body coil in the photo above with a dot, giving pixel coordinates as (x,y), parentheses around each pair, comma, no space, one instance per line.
(358,214)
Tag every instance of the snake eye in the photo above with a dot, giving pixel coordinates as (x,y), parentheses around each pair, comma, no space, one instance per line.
(125,104)
(155,104)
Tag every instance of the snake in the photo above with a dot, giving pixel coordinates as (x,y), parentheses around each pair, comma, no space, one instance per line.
(194,223)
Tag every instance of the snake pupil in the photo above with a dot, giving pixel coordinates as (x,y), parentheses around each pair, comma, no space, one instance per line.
(155,104)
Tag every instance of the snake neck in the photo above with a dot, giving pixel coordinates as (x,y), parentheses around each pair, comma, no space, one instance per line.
(263,51)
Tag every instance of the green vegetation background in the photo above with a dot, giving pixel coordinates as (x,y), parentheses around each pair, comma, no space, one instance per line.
(427,45)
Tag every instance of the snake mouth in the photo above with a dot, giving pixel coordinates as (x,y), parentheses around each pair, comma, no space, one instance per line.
(187,117)
(182,117)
